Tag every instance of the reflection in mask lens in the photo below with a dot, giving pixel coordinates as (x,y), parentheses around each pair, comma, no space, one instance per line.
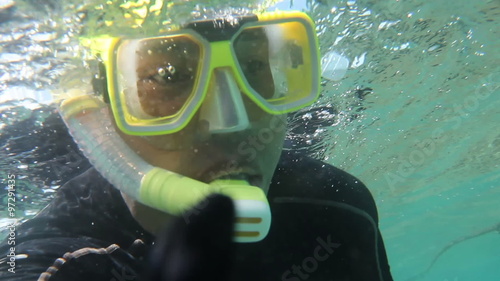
(274,60)
(252,51)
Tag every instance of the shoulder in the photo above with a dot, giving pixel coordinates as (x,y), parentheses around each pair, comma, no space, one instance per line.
(84,198)
(300,176)
(87,223)
(316,206)
(87,207)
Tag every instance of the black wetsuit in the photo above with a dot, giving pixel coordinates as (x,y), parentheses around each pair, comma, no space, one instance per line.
(324,227)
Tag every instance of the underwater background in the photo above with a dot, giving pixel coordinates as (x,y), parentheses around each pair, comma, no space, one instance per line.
(416,117)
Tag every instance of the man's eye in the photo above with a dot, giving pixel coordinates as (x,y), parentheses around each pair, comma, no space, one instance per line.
(164,75)
(253,66)
(169,75)
(162,80)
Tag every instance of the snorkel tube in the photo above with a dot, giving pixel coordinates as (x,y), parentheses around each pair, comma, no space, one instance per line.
(90,124)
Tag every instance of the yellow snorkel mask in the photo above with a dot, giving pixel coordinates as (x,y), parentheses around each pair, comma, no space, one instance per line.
(155,86)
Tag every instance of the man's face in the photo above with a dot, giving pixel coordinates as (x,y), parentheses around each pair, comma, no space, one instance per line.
(163,68)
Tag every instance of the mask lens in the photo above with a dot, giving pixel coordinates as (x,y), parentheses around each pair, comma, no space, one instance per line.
(157,76)
(251,47)
(279,64)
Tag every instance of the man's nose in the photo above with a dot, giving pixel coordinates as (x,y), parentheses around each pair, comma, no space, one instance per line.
(223,107)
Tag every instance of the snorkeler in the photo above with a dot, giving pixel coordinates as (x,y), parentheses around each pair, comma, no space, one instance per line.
(174,118)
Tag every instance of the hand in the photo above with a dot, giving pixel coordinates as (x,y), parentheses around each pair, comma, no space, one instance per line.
(200,248)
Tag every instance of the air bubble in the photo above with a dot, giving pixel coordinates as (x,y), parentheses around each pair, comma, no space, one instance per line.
(171,69)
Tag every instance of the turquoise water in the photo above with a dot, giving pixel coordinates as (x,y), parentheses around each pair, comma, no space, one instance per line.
(424,136)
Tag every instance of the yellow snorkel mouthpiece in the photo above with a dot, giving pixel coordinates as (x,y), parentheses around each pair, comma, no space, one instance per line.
(176,194)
